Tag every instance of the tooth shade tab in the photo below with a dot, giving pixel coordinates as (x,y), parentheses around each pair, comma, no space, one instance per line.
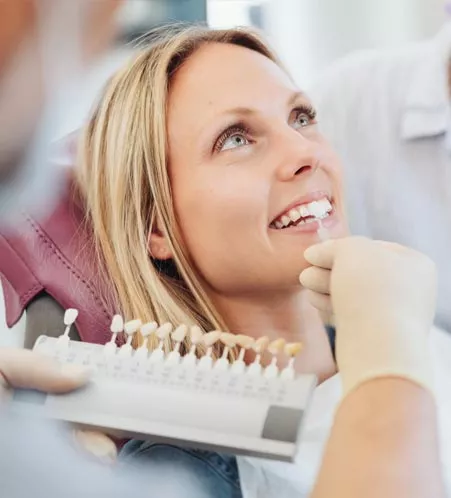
(179,333)
(70,316)
(244,341)
(211,338)
(148,328)
(228,339)
(164,331)
(292,349)
(276,346)
(117,324)
(304,213)
(196,334)
(132,327)
(260,345)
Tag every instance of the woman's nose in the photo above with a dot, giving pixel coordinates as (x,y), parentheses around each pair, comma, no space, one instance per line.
(298,156)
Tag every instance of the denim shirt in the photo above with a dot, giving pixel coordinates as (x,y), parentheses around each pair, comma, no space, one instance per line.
(174,472)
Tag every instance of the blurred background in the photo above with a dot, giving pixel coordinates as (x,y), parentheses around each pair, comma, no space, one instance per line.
(308,35)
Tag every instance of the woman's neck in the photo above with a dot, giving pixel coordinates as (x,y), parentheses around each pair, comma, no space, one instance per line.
(291,318)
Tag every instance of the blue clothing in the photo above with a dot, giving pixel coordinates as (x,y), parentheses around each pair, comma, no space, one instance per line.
(331,335)
(184,472)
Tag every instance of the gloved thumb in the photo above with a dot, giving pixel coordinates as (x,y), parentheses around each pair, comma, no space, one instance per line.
(322,254)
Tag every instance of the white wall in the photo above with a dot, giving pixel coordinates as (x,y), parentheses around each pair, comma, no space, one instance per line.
(309,34)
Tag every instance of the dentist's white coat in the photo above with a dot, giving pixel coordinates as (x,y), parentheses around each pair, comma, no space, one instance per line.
(268,479)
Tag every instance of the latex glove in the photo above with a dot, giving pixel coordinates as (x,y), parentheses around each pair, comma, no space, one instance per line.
(20,368)
(383,298)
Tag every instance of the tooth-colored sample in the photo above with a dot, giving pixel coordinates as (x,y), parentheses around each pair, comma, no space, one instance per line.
(315,209)
(164,330)
(276,346)
(293,348)
(244,341)
(278,224)
(117,324)
(132,326)
(323,233)
(261,344)
(179,333)
(327,206)
(320,208)
(211,338)
(148,328)
(228,339)
(196,334)
(70,316)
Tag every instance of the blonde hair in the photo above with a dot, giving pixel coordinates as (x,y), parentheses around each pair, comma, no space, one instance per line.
(124,179)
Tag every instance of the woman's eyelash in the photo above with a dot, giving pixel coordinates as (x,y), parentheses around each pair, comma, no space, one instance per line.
(308,110)
(226,134)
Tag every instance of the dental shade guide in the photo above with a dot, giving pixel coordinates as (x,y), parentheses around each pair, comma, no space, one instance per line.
(259,346)
(189,390)
(195,335)
(245,342)
(130,328)
(163,333)
(70,316)
(178,336)
(116,327)
(229,342)
(291,350)
(142,353)
(208,339)
(274,348)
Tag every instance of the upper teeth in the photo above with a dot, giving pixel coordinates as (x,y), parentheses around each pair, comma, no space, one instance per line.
(317,209)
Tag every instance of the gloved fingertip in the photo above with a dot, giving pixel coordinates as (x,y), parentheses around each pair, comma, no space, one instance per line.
(320,254)
(304,276)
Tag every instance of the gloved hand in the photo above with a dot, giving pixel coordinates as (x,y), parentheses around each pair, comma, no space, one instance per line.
(20,368)
(383,298)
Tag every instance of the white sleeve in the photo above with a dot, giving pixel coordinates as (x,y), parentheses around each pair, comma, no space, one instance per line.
(341,96)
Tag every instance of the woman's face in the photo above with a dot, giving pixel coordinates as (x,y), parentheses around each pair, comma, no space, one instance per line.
(246,159)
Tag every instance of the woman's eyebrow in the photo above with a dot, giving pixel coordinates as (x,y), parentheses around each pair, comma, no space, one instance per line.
(296,97)
(247,111)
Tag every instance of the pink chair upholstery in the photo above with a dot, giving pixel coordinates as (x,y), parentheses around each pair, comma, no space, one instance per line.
(56,256)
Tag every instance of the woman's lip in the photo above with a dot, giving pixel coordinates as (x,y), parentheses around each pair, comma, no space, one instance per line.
(305,199)
(311,227)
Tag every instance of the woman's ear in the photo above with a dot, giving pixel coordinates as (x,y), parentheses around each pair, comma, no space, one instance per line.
(157,243)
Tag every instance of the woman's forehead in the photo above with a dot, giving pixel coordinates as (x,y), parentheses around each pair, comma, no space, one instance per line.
(218,77)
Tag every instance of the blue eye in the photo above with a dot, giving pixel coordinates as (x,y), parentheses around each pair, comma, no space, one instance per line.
(234,141)
(305,116)
(234,137)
